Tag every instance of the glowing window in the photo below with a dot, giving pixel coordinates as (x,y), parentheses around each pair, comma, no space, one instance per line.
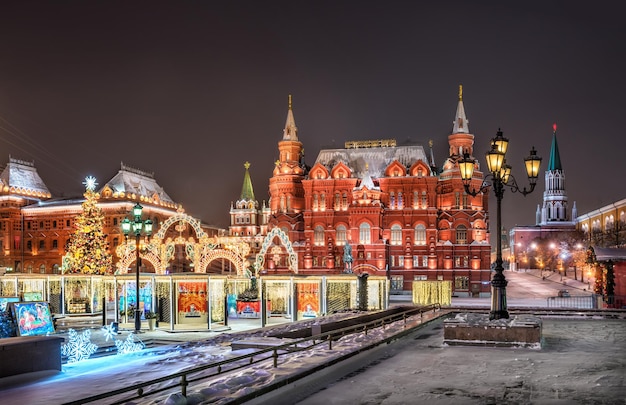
(396,235)
(420,234)
(341,235)
(364,233)
(318,235)
(461,235)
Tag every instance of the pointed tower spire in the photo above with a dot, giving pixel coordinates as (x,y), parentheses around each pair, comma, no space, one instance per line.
(461,124)
(290,133)
(432,155)
(555,205)
(555,158)
(247,192)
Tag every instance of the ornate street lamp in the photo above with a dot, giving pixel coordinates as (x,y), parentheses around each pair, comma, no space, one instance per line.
(137,226)
(500,173)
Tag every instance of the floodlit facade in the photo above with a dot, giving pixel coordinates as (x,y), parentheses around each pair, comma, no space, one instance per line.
(378,208)
(35,227)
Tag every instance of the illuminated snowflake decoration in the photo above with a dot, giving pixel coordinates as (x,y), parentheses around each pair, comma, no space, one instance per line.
(90,183)
(79,346)
(109,332)
(128,345)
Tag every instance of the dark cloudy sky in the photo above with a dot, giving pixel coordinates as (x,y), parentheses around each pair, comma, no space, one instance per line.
(190,90)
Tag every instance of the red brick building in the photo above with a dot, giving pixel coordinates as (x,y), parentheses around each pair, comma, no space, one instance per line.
(401,216)
(36,227)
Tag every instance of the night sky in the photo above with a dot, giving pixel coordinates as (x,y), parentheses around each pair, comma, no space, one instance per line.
(190,90)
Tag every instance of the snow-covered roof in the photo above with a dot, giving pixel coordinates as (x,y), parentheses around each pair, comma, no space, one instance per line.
(133,181)
(603,254)
(372,161)
(21,177)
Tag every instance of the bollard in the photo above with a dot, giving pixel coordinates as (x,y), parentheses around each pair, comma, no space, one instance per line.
(275,356)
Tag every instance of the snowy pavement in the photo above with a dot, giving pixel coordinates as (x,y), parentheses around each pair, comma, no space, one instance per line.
(581,360)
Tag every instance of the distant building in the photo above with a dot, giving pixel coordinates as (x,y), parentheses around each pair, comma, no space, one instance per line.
(553,216)
(380,208)
(605,226)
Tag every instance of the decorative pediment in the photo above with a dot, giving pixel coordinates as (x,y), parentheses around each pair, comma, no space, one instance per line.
(341,171)
(106,192)
(419,169)
(395,169)
(318,171)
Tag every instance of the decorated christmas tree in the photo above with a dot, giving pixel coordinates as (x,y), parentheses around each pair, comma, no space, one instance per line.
(87,251)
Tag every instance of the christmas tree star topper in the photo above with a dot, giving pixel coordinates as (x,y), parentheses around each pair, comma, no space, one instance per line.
(90,183)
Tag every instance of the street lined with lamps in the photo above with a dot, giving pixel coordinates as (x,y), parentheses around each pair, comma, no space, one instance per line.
(137,226)
(500,173)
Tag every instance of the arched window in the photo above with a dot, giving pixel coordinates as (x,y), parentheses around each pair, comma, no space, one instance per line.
(424,200)
(420,234)
(392,200)
(396,234)
(42,269)
(461,235)
(56,269)
(318,235)
(364,234)
(341,235)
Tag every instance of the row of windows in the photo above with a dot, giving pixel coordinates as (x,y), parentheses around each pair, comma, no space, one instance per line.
(396,200)
(422,261)
(242,220)
(54,245)
(56,269)
(396,235)
(609,223)
(41,225)
(32,225)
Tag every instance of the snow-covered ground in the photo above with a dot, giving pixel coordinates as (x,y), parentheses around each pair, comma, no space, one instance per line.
(93,376)
(582,361)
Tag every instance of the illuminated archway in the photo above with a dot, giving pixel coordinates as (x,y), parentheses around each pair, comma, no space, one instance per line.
(160,253)
(268,242)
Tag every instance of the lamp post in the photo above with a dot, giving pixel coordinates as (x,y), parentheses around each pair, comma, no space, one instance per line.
(137,226)
(500,173)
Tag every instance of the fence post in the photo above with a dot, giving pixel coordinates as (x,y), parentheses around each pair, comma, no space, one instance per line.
(330,343)
(183,384)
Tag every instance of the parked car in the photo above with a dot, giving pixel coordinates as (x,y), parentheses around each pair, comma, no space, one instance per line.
(564,293)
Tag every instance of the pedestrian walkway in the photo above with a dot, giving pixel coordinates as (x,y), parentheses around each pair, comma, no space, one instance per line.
(566,281)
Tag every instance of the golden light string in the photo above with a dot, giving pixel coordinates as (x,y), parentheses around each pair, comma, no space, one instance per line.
(432,292)
(8,288)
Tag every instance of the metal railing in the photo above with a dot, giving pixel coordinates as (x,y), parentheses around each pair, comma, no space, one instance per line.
(574,301)
(183,378)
